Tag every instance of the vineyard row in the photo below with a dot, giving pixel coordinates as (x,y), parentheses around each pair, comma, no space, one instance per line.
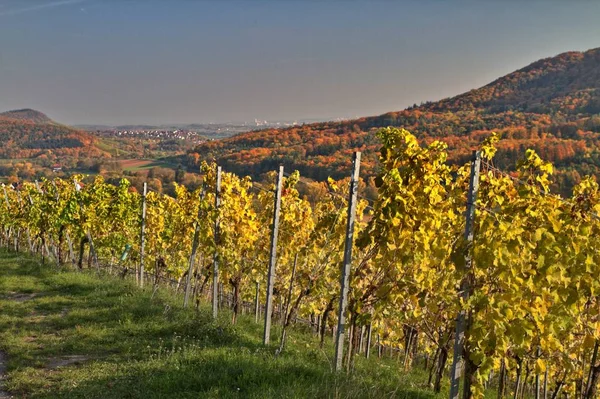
(488,277)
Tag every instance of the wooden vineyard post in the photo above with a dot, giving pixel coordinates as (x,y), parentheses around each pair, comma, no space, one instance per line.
(257,304)
(57,198)
(368,347)
(8,210)
(29,242)
(215,294)
(590,386)
(272,258)
(27,229)
(361,339)
(45,249)
(466,283)
(188,282)
(143,235)
(17,232)
(345,278)
(220,296)
(537,377)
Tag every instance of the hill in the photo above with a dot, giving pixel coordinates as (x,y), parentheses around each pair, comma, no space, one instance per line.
(27,114)
(552,105)
(30,134)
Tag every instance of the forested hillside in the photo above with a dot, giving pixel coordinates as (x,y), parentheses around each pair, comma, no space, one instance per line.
(527,269)
(31,134)
(27,114)
(552,106)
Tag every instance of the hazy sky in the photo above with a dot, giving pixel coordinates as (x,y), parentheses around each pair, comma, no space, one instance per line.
(163,61)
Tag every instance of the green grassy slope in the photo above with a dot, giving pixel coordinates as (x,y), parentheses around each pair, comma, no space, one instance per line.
(77,335)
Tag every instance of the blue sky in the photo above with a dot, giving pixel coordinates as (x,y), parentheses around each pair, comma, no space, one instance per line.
(166,61)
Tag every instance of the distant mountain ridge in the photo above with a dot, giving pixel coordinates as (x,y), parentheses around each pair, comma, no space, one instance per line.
(27,133)
(542,87)
(551,105)
(26,114)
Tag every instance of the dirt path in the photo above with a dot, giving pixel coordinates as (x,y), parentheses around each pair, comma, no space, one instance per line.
(53,362)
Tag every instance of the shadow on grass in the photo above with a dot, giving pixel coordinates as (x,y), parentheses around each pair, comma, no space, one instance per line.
(228,375)
(136,346)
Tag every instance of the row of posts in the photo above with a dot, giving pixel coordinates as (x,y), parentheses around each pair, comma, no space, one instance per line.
(344,282)
(345,275)
(461,322)
(465,289)
(45,249)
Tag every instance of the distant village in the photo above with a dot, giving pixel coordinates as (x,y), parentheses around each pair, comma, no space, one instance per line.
(176,134)
(193,133)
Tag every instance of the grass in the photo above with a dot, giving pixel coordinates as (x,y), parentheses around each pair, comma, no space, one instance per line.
(78,335)
(136,165)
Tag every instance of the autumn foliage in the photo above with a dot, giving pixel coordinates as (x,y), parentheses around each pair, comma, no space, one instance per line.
(552,106)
